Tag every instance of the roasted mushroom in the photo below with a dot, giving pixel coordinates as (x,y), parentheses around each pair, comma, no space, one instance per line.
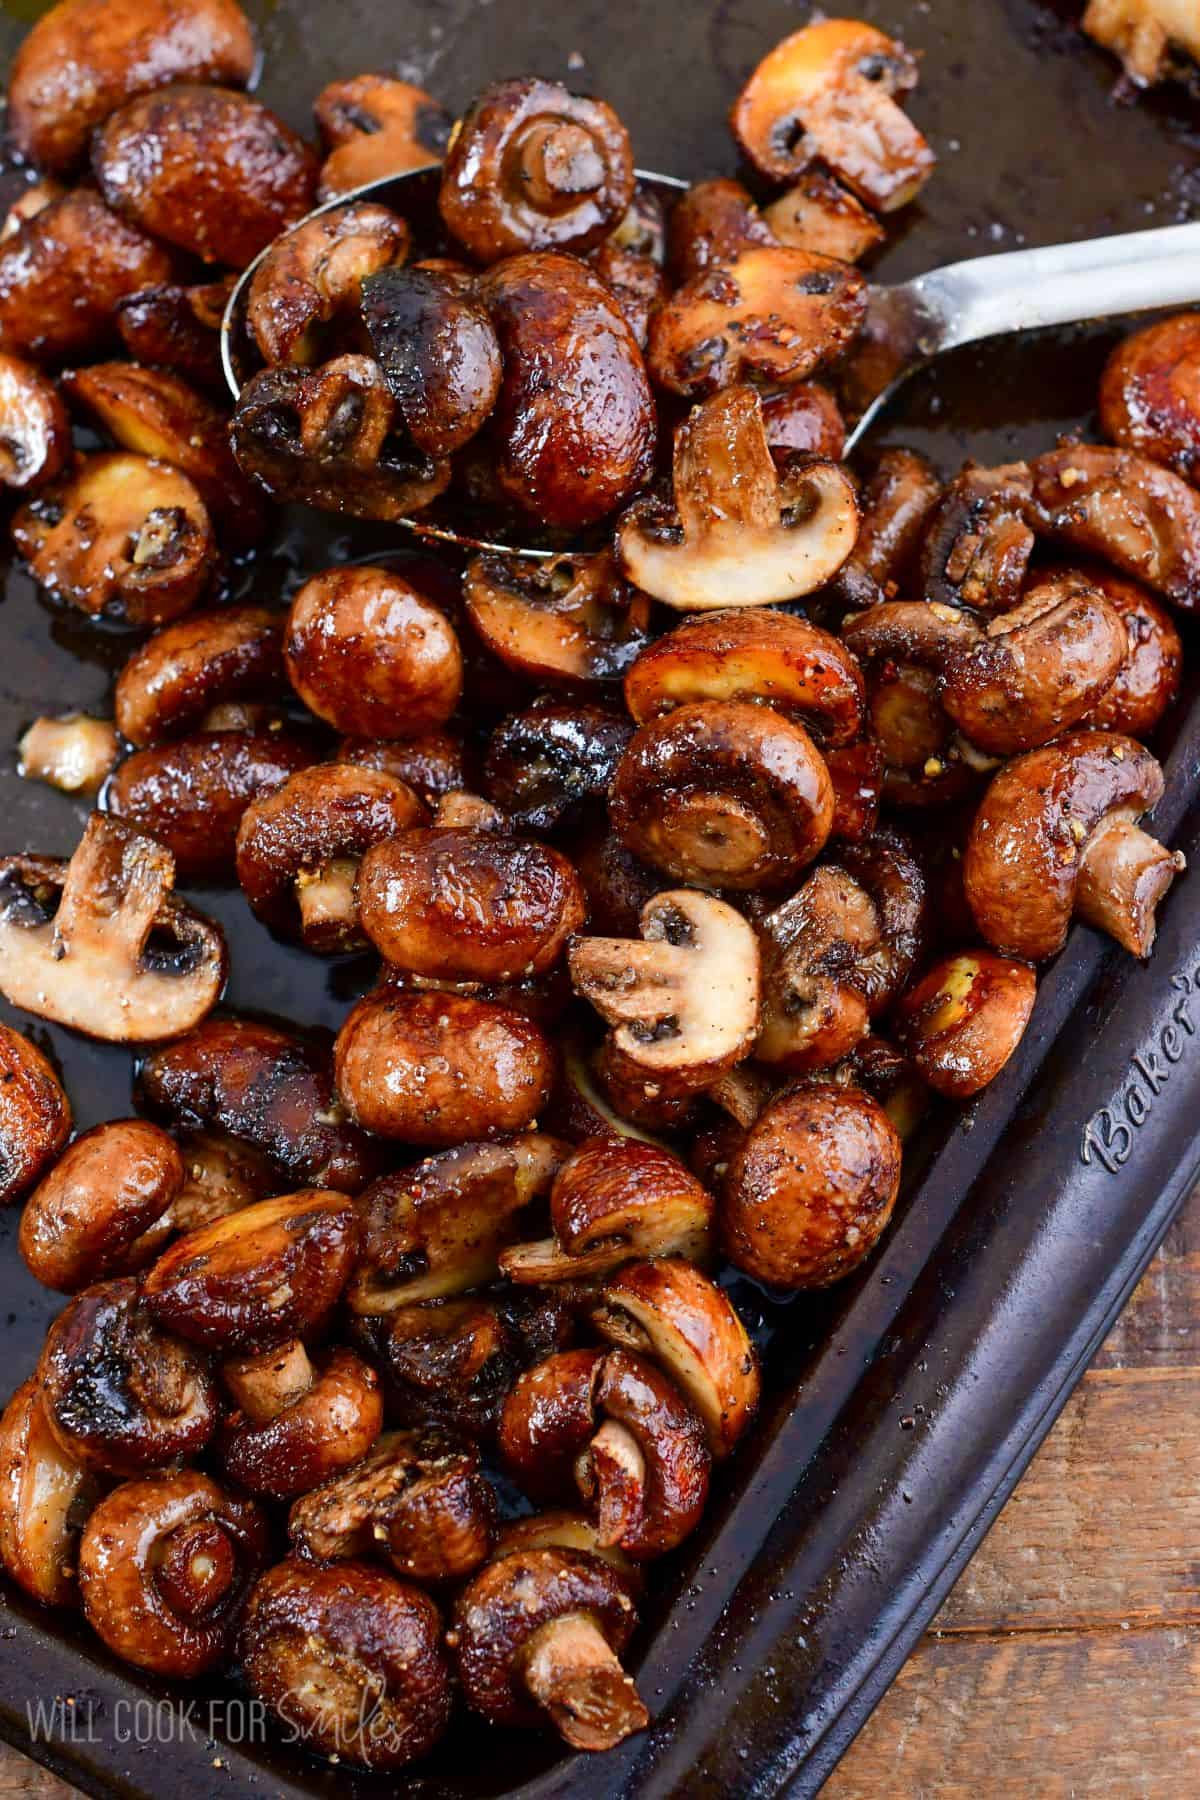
(350,1659)
(1148,680)
(35,1114)
(179,678)
(1057,834)
(1150,393)
(64,272)
(570,621)
(373,126)
(804,420)
(712,224)
(176,327)
(897,499)
(310,280)
(979,538)
(165,1565)
(101,943)
(738,532)
(829,91)
(104,1208)
(35,432)
(299,849)
(438,351)
(964,1018)
(1143,33)
(819,214)
(73,753)
(220,1176)
(301,1419)
(546,764)
(630,261)
(435,763)
(811,1187)
(683,1003)
(533,167)
(45,1497)
(1126,510)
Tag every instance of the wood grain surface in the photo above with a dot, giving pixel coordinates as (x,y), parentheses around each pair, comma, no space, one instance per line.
(1066,1663)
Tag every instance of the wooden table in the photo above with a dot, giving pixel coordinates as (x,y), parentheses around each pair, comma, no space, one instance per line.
(1067,1660)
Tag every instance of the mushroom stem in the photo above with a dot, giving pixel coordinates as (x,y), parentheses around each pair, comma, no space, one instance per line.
(1123,874)
(559,161)
(613,1472)
(326,899)
(197,1569)
(267,1384)
(115,886)
(575,1677)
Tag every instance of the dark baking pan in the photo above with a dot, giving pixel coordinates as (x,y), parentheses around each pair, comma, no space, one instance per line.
(900,1408)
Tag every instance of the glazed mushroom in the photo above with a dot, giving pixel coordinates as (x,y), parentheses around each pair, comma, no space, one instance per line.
(122,535)
(1125,509)
(771,657)
(1148,680)
(723,793)
(45,1497)
(440,1068)
(35,432)
(64,273)
(220,1176)
(175,327)
(830,92)
(209,170)
(683,1003)
(571,621)
(811,1187)
(769,314)
(1150,393)
(804,420)
(531,166)
(712,224)
(979,538)
(101,943)
(419,1499)
(964,1018)
(538,1636)
(549,763)
(165,1565)
(301,1420)
(438,1228)
(630,261)
(373,126)
(104,1208)
(435,763)
(73,753)
(265,1088)
(857,772)
(1057,835)
(468,905)
(559,1529)
(738,532)
(611,1427)
(350,1659)
(574,428)
(438,352)
(299,849)
(35,1115)
(616,1199)
(897,499)
(29,202)
(668,1310)
(819,214)
(367,652)
(310,281)
(122,1396)
(1143,33)
(84,58)
(197,670)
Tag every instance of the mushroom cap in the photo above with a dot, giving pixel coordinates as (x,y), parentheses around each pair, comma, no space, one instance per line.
(547,762)
(559,1529)
(373,126)
(270,1272)
(438,351)
(1032,829)
(1125,509)
(811,1187)
(896,500)
(44,1496)
(351,1658)
(1150,393)
(96,1211)
(1148,679)
(964,1018)
(168,325)
(35,431)
(713,222)
(35,1114)
(572,620)
(314,274)
(978,539)
(177,676)
(435,763)
(324,1430)
(165,1564)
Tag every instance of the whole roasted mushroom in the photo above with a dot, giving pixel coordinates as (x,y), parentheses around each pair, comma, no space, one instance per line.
(811,1187)
(301,1420)
(35,1115)
(1125,509)
(738,531)
(299,849)
(165,1565)
(1057,835)
(175,327)
(804,419)
(531,166)
(375,125)
(101,943)
(711,225)
(538,1635)
(104,1208)
(45,1497)
(351,1659)
(1148,680)
(571,621)
(979,538)
(1150,393)
(435,763)
(35,432)
(964,1018)
(309,282)
(896,500)
(199,670)
(547,765)
(438,352)
(122,1396)
(64,273)
(829,92)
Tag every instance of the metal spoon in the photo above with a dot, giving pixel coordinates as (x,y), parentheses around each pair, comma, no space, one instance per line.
(907,326)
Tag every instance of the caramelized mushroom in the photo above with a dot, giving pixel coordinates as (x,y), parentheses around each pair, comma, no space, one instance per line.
(738,532)
(1143,34)
(164,1568)
(101,943)
(350,1659)
(711,225)
(204,168)
(533,167)
(179,328)
(64,272)
(559,1529)
(35,432)
(572,620)
(220,1176)
(45,1497)
(35,1114)
(683,1003)
(373,126)
(811,1187)
(1128,511)
(964,1018)
(104,1208)
(804,420)
(299,849)
(979,538)
(615,1199)
(302,1420)
(441,1068)
(1057,834)
(175,681)
(819,214)
(896,502)
(122,1396)
(121,535)
(435,763)
(630,261)
(545,764)
(310,280)
(1148,679)
(366,651)
(829,91)
(73,753)
(438,351)
(1150,393)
